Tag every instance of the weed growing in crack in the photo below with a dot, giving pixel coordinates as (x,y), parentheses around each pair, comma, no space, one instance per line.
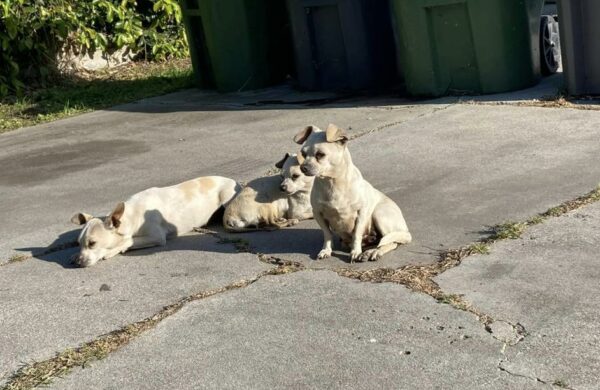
(555,211)
(560,383)
(454,300)
(590,197)
(481,248)
(535,220)
(508,230)
(17,258)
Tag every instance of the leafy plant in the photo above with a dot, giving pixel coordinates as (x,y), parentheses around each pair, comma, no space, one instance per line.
(32,32)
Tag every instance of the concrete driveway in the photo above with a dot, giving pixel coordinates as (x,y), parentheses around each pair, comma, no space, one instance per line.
(217,310)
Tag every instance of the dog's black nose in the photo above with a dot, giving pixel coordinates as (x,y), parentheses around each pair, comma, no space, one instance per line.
(303,169)
(283,187)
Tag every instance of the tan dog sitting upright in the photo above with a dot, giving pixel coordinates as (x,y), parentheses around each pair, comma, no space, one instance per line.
(343,202)
(149,217)
(272,202)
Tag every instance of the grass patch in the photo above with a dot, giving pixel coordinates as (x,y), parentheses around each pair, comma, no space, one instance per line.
(95,90)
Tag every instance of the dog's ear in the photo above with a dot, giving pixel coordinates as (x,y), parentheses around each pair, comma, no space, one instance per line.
(114,219)
(280,163)
(335,134)
(300,158)
(81,218)
(304,134)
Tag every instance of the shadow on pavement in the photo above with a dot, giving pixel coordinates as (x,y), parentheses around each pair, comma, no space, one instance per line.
(285,97)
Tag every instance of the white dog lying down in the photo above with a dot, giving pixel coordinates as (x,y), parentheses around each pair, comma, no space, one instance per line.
(149,217)
(272,202)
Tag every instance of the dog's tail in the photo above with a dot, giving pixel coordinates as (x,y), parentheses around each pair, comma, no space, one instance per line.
(403,237)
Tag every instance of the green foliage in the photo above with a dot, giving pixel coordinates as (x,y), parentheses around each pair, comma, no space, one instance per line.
(32,32)
(72,96)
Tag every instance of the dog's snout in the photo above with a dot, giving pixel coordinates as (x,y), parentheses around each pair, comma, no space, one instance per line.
(283,187)
(304,169)
(78,260)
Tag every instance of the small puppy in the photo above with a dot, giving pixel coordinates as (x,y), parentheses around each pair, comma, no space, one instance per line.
(272,202)
(343,202)
(149,217)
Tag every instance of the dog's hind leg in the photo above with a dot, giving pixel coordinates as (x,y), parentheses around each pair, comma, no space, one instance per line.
(390,223)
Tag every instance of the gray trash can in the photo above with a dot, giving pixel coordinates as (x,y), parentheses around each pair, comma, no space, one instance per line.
(343,44)
(580,44)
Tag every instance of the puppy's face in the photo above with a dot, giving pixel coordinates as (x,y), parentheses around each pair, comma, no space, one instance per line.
(293,180)
(322,151)
(98,238)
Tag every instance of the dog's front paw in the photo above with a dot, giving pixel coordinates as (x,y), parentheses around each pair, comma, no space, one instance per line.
(325,253)
(355,255)
(371,255)
(292,222)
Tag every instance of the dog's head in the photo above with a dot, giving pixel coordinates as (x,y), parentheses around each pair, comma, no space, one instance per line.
(293,180)
(323,151)
(99,236)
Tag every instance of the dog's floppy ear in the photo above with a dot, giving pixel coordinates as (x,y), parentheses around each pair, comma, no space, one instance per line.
(304,134)
(81,218)
(114,219)
(335,134)
(280,163)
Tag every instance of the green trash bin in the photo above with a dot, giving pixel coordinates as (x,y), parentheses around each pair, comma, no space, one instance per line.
(238,45)
(467,46)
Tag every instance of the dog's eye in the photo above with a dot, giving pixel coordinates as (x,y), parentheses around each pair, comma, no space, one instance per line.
(319,155)
(91,244)
(295,176)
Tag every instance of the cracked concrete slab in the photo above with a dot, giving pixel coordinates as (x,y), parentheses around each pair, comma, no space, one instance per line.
(460,170)
(452,168)
(311,329)
(548,282)
(48,306)
(92,161)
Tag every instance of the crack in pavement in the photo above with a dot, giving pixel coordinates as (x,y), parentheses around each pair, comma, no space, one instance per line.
(550,102)
(519,375)
(556,383)
(18,258)
(390,124)
(42,372)
(276,171)
(419,278)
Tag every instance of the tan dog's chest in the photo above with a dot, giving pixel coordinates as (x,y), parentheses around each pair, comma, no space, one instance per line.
(339,209)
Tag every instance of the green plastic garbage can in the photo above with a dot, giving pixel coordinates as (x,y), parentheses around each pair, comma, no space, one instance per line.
(467,46)
(580,44)
(238,45)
